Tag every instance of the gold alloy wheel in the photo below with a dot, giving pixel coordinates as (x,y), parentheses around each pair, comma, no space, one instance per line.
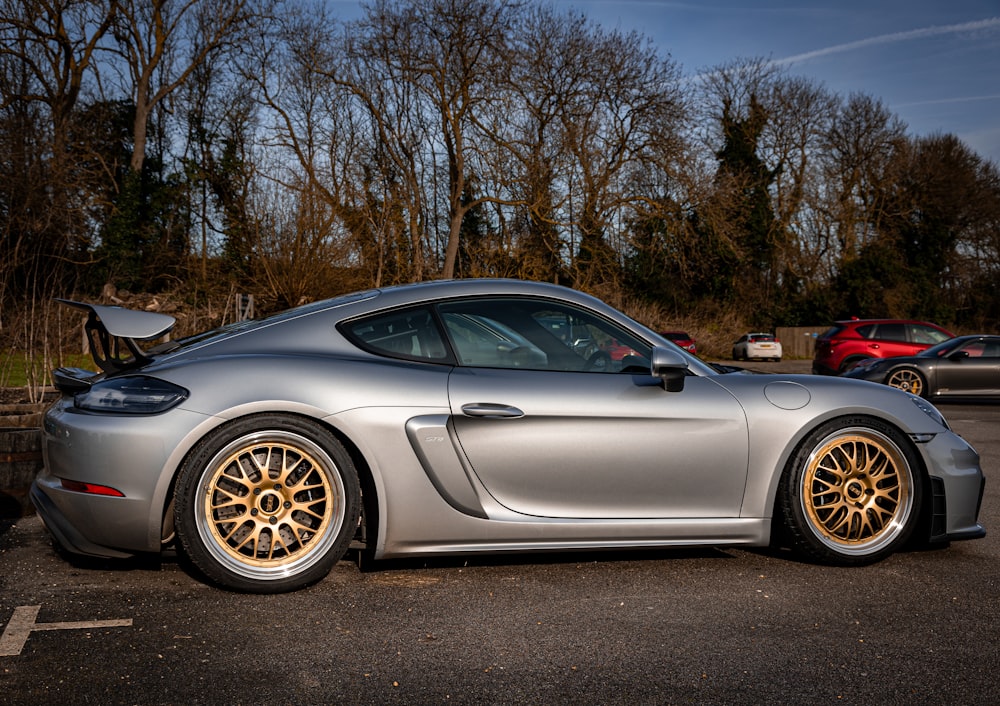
(908,380)
(270,504)
(857,491)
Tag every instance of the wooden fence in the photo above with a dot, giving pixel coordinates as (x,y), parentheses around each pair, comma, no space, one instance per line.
(798,341)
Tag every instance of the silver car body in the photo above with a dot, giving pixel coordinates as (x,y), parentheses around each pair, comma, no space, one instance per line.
(466,459)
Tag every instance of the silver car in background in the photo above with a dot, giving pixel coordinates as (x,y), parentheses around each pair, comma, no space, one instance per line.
(474,416)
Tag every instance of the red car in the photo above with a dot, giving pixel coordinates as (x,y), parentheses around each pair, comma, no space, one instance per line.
(847,343)
(681,339)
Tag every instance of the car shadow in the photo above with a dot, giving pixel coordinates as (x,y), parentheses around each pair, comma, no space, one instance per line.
(555,557)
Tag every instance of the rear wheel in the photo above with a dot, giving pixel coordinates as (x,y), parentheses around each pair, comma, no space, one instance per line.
(267,504)
(851,494)
(908,379)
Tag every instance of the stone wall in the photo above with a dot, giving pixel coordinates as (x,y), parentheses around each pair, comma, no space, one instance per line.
(20,462)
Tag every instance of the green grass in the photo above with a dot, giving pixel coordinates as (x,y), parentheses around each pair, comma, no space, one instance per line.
(17,369)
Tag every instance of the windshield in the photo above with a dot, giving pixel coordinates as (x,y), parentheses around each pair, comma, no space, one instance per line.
(944,348)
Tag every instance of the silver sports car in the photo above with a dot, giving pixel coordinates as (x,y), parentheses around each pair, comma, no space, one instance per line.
(474,416)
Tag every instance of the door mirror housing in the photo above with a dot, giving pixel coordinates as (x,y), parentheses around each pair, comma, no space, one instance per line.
(670,366)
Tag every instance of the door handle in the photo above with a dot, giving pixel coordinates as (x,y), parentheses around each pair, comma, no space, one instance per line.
(491,410)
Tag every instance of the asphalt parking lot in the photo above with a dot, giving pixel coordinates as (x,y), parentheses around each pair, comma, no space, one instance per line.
(660,627)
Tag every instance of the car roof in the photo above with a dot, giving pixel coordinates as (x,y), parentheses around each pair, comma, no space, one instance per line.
(884,321)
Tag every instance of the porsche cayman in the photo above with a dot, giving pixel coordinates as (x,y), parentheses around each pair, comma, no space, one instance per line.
(473,416)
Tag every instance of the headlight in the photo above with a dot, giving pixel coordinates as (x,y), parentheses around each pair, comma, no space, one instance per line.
(870,364)
(929,409)
(130,395)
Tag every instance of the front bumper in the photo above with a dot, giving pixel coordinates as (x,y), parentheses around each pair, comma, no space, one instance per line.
(957,486)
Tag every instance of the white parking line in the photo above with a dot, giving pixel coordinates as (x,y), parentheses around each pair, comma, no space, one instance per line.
(22,624)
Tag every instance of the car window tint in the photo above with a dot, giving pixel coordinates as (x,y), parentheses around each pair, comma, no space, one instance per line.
(410,334)
(482,341)
(891,332)
(926,334)
(991,349)
(538,335)
(867,331)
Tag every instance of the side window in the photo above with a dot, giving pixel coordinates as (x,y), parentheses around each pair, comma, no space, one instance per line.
(891,332)
(867,331)
(926,334)
(482,341)
(536,334)
(410,334)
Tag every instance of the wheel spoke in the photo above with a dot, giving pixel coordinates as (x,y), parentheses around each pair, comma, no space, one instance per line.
(854,489)
(268,504)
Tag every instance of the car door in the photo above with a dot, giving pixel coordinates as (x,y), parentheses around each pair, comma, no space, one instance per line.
(976,373)
(891,341)
(590,442)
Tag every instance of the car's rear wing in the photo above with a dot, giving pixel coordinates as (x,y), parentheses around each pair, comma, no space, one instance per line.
(112,332)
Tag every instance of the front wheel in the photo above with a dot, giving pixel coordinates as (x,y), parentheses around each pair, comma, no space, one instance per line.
(851,494)
(908,379)
(267,504)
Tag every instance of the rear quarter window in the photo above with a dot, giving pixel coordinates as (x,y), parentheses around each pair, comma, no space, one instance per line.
(411,335)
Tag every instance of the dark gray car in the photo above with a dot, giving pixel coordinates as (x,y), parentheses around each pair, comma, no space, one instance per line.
(474,416)
(961,368)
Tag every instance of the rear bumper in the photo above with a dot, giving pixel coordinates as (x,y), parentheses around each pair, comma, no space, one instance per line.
(68,537)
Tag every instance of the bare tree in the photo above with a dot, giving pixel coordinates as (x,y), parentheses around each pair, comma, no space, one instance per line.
(162,41)
(396,131)
(55,42)
(453,54)
(800,116)
(858,149)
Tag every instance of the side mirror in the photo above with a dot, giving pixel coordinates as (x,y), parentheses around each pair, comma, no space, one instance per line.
(670,366)
(958,355)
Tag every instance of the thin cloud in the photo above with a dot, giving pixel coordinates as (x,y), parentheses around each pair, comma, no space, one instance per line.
(941,101)
(978,25)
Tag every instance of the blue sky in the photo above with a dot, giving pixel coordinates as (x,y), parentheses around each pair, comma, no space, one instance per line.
(934,63)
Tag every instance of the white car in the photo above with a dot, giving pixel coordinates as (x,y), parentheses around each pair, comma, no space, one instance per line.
(757,345)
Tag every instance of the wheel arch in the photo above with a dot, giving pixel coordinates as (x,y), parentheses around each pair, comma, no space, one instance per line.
(850,361)
(370,513)
(791,451)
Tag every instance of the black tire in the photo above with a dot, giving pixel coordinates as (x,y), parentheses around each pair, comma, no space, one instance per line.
(908,379)
(267,504)
(852,493)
